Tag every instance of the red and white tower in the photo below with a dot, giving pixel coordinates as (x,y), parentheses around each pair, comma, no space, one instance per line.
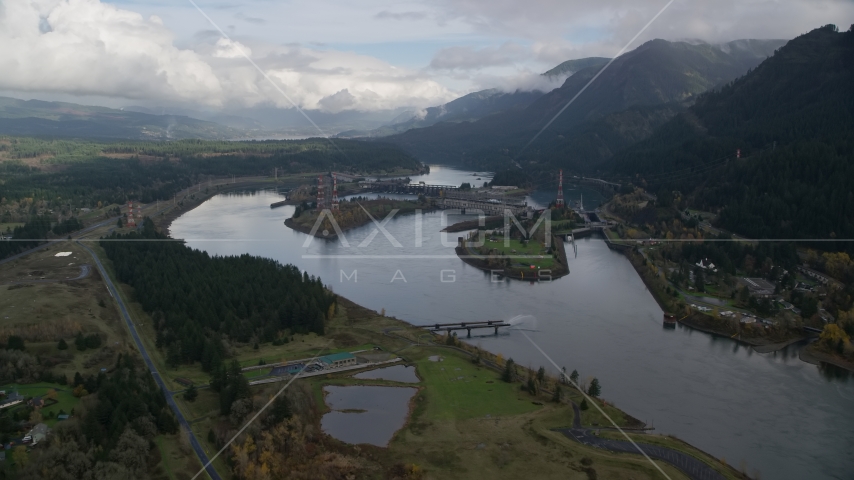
(334,192)
(559,201)
(131,222)
(320,192)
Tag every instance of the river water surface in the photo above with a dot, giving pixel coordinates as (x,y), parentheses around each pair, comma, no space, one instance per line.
(770,412)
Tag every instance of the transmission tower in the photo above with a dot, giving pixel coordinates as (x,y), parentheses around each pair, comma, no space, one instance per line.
(559,201)
(131,222)
(320,202)
(334,192)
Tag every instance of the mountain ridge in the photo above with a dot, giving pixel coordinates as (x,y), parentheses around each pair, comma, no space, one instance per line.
(38,117)
(771,152)
(656,73)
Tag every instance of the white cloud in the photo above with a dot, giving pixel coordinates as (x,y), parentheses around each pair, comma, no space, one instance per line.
(386,15)
(620,20)
(525,81)
(90,48)
(226,48)
(469,58)
(171,55)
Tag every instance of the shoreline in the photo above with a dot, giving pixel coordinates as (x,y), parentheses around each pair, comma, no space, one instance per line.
(634,425)
(165,219)
(516,274)
(289,222)
(466,225)
(810,354)
(688,321)
(757,344)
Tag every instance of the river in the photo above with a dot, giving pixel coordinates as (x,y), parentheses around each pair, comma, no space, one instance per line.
(770,413)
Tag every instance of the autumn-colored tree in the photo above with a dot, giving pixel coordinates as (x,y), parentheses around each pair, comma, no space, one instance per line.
(832,336)
(20,456)
(36,416)
(837,264)
(79,391)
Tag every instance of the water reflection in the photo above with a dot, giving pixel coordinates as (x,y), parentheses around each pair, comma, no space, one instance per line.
(600,320)
(396,373)
(366,414)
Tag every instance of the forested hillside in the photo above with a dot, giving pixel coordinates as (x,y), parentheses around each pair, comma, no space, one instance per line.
(792,118)
(195,299)
(464,109)
(655,80)
(82,172)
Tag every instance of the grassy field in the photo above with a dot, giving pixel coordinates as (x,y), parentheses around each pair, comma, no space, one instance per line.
(458,389)
(512,446)
(9,227)
(537,254)
(207,403)
(45,312)
(177,462)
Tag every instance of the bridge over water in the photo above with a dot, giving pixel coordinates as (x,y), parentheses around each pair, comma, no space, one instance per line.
(468,326)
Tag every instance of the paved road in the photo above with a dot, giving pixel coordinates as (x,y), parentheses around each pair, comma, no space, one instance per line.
(85,271)
(51,242)
(183,193)
(194,442)
(691,466)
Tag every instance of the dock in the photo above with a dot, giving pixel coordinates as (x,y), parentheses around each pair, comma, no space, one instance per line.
(278,204)
(468,326)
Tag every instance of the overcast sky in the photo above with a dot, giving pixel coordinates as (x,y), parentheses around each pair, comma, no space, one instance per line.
(337,55)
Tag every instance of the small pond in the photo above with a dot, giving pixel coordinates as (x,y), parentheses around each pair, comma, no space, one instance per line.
(366,414)
(396,373)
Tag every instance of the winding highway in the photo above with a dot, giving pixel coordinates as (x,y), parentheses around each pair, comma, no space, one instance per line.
(194,442)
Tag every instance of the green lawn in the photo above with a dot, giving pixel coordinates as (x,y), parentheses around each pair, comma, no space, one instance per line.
(458,389)
(205,404)
(515,248)
(4,227)
(66,401)
(256,373)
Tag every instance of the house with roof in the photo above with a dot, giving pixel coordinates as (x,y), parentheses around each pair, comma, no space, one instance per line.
(11,400)
(758,287)
(820,277)
(337,360)
(708,265)
(825,316)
